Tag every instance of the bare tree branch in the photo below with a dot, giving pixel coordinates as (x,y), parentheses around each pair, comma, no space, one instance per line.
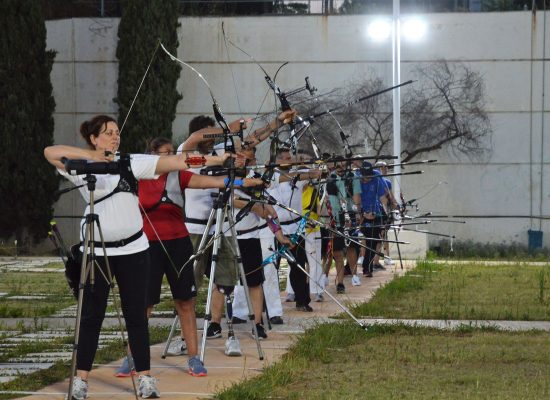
(444,109)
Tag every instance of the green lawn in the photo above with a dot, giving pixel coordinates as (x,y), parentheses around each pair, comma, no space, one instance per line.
(468,291)
(341,361)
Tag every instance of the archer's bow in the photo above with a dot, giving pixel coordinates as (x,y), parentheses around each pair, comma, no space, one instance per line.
(294,239)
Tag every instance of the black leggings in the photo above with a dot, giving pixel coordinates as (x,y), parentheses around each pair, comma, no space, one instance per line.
(372,233)
(131,272)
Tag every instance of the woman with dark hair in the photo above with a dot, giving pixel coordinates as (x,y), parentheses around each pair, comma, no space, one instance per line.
(121,223)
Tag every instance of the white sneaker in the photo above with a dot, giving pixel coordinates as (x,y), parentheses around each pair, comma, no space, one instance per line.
(355,280)
(148,387)
(319,298)
(178,347)
(80,388)
(360,260)
(388,261)
(290,298)
(233,347)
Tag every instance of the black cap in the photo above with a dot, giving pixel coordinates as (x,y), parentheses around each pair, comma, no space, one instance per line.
(366,169)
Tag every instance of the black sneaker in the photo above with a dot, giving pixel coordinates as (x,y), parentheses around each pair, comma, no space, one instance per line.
(305,308)
(214,330)
(368,274)
(378,266)
(276,320)
(261,331)
(340,288)
(237,320)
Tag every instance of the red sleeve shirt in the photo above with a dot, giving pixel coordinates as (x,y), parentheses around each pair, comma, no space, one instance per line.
(165,221)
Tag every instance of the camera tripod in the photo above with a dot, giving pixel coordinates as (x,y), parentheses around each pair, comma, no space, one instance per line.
(87,271)
(221,211)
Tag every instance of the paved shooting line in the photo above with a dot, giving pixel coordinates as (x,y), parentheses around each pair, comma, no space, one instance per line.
(175,383)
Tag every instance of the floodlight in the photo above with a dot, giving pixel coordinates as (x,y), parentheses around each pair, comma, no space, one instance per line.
(379,30)
(413,29)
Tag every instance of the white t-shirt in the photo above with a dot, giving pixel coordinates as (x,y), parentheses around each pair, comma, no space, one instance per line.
(250,221)
(198,205)
(293,198)
(119,215)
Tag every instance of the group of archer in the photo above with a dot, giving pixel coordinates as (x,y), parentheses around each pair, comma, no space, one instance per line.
(146,237)
(358,205)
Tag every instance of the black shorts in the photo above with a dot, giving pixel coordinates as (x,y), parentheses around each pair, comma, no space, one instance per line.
(340,242)
(182,286)
(251,253)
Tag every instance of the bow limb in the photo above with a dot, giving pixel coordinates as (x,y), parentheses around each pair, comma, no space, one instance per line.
(217,111)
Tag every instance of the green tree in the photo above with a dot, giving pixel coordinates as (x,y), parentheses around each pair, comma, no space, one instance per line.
(27,182)
(143,24)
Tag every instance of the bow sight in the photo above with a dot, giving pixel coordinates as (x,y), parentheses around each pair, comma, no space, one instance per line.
(285,105)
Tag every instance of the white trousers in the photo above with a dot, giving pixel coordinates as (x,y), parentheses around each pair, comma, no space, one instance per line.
(272,295)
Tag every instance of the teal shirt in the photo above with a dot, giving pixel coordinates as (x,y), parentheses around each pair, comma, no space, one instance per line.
(344,192)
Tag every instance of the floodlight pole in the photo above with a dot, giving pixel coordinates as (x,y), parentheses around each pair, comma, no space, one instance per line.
(396,69)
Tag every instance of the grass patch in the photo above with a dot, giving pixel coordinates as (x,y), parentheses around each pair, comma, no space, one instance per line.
(341,361)
(468,291)
(21,283)
(17,283)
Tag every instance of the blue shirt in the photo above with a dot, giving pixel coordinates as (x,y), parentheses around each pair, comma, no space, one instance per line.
(387,184)
(371,193)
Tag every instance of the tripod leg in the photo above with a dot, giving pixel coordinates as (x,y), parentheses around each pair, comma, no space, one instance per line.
(202,247)
(398,248)
(242,275)
(215,251)
(170,335)
(85,268)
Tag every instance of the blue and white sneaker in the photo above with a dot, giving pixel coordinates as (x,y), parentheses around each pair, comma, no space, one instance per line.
(196,367)
(126,369)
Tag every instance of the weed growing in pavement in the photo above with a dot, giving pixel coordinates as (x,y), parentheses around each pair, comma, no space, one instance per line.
(60,370)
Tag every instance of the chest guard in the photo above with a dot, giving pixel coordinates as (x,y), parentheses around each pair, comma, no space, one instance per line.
(171,194)
(127,182)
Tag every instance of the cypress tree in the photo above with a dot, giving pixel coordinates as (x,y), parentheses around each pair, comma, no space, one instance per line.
(27,181)
(143,23)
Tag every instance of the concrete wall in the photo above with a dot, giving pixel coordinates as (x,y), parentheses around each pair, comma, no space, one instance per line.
(506,48)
